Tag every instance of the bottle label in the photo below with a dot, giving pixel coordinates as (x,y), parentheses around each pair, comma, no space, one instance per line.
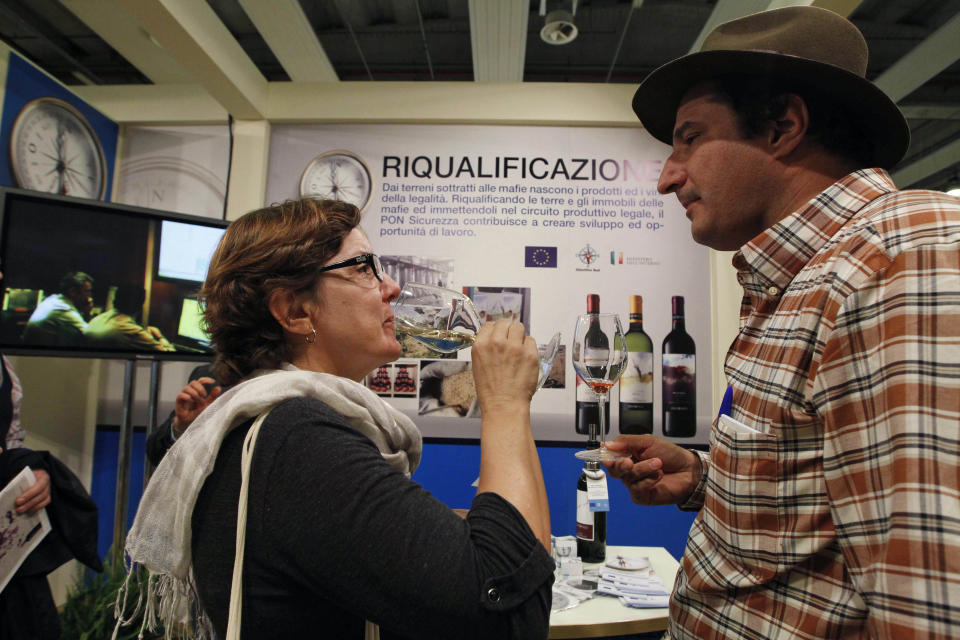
(679,380)
(594,357)
(584,517)
(584,392)
(597,495)
(636,385)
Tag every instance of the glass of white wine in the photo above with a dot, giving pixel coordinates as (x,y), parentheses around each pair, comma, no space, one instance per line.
(445,321)
(599,358)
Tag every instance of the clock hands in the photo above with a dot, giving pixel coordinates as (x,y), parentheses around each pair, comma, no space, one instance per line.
(333,179)
(61,165)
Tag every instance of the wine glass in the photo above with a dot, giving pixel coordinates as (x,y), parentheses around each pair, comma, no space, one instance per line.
(599,357)
(445,321)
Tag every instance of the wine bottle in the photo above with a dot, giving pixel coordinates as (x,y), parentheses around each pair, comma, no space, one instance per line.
(587,412)
(591,525)
(679,378)
(636,385)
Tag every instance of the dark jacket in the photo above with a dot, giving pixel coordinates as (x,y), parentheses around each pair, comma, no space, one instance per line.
(27,610)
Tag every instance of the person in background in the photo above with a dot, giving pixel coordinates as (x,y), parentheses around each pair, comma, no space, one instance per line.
(38,496)
(27,608)
(119,328)
(828,504)
(10,406)
(201,390)
(60,319)
(337,534)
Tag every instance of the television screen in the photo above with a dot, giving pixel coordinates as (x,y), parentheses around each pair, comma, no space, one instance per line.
(185,250)
(190,327)
(89,278)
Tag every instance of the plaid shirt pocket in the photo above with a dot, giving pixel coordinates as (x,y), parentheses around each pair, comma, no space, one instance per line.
(741,512)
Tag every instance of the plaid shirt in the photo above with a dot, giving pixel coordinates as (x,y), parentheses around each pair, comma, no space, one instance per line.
(841,517)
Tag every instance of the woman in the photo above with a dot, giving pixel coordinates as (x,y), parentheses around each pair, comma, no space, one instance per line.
(299,312)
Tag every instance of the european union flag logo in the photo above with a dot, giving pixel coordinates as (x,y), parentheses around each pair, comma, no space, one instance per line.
(540,257)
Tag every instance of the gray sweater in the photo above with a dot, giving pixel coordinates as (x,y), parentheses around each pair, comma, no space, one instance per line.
(336,536)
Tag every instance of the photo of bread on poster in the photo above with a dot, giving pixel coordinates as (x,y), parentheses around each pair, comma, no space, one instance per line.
(447,389)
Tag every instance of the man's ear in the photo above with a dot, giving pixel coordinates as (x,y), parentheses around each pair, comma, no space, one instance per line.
(787,132)
(291,311)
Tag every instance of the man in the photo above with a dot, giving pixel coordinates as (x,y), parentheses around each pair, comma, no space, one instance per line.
(119,328)
(61,318)
(828,506)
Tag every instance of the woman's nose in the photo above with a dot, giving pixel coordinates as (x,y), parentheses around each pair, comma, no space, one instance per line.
(390,288)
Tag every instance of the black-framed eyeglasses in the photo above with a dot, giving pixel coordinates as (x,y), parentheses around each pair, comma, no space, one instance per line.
(371,259)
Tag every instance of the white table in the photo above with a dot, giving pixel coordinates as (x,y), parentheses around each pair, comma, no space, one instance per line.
(605,616)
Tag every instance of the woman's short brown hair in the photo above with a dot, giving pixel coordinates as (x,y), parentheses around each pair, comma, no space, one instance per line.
(277,247)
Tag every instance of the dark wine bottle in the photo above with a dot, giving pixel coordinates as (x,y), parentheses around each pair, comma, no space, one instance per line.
(636,384)
(591,525)
(587,412)
(679,378)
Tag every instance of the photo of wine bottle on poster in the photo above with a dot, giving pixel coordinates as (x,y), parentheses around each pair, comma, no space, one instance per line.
(528,221)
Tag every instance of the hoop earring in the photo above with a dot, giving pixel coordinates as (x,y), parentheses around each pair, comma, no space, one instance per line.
(311,338)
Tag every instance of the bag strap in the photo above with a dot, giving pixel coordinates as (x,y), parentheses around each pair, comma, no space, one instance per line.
(370,631)
(236,595)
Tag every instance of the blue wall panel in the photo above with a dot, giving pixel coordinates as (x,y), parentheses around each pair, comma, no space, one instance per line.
(447,471)
(104,482)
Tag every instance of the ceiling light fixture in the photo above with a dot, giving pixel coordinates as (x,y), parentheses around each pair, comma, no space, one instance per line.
(558,27)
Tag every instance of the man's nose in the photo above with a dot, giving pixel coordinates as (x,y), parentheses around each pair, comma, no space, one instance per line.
(672,177)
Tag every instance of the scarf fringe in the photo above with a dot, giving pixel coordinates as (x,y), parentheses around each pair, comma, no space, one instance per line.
(164,600)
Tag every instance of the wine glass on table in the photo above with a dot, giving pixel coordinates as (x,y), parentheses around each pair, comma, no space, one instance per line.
(445,321)
(599,357)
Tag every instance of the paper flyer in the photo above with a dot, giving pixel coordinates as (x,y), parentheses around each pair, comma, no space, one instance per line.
(20,533)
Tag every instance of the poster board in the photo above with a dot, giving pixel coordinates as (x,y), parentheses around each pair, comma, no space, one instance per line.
(541,216)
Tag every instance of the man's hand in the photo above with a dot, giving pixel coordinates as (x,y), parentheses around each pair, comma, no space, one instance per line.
(37,496)
(191,400)
(657,471)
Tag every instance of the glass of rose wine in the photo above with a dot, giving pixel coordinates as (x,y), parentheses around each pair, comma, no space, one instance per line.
(445,321)
(599,356)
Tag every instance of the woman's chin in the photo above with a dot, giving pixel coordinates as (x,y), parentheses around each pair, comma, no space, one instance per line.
(393,351)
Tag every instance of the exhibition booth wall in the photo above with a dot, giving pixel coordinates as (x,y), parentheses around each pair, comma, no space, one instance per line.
(592,181)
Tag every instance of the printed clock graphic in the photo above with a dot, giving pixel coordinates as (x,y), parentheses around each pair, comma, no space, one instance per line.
(338,175)
(54,149)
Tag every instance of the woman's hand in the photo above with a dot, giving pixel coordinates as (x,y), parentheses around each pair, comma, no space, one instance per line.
(506,366)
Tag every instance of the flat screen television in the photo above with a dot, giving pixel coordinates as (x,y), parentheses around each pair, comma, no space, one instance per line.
(87,278)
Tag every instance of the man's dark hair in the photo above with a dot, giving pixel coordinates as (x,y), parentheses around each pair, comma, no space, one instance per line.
(129,299)
(758,101)
(74,280)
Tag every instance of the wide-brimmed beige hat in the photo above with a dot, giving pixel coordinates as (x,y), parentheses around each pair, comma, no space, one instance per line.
(814,46)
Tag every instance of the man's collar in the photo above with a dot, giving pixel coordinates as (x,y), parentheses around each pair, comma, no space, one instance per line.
(776,255)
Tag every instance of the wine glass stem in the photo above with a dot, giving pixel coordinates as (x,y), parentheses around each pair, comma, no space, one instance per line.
(596,439)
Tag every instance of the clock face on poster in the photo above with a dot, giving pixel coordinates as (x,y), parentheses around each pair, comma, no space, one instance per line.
(338,175)
(54,149)
(172,184)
